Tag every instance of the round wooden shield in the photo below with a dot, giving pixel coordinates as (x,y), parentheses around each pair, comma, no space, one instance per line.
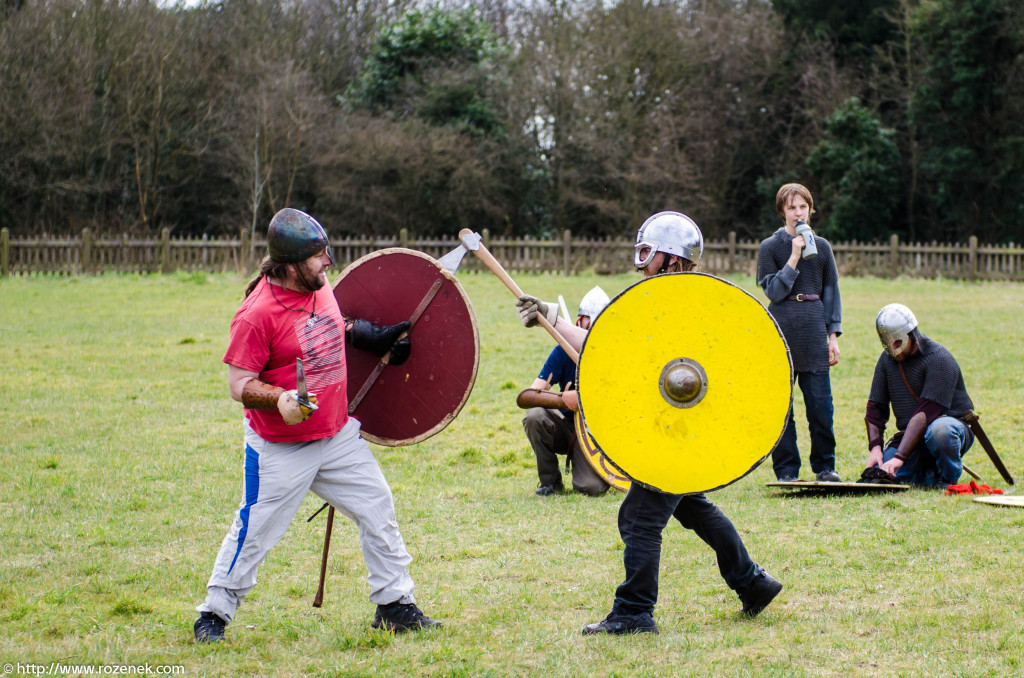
(405,404)
(685,382)
(598,461)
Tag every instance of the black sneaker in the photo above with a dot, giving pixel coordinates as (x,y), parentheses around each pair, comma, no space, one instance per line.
(621,624)
(829,476)
(209,628)
(759,594)
(787,479)
(548,490)
(397,617)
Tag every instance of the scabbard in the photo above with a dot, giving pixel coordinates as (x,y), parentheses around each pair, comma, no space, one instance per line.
(532,397)
(973,421)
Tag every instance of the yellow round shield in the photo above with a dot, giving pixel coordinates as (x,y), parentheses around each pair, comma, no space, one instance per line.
(685,382)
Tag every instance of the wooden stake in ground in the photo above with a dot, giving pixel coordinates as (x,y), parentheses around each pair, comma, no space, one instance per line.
(318,599)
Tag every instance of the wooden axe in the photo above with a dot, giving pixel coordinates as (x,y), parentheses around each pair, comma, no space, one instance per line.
(472,242)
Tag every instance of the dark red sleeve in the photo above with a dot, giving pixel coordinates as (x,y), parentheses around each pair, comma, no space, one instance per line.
(876,415)
(932,410)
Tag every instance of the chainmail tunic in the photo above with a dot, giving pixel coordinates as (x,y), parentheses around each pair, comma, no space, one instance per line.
(934,375)
(805,324)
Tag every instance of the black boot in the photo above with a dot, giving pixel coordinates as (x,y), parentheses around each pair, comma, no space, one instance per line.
(209,628)
(620,624)
(760,592)
(398,617)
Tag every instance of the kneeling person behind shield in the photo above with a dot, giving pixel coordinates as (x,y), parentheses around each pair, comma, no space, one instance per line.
(549,423)
(290,313)
(667,242)
(922,382)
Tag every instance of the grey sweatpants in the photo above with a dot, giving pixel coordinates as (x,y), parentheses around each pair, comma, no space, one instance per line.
(341,470)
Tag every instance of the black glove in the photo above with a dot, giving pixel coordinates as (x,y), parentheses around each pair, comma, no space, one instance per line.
(400,350)
(877,476)
(379,339)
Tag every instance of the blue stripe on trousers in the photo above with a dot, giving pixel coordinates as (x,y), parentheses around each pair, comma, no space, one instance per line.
(252,491)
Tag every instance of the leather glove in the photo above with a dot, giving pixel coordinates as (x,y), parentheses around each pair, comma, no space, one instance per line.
(530,308)
(292,411)
(379,339)
(400,351)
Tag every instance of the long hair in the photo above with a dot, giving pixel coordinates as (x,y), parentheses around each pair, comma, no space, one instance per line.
(269,268)
(680,265)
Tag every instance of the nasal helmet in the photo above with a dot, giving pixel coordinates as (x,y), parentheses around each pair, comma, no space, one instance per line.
(669,232)
(593,302)
(295,236)
(894,324)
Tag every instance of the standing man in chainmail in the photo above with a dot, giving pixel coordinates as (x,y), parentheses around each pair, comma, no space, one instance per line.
(804,294)
(922,382)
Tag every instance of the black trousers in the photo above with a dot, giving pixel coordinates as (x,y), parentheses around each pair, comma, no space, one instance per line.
(643,515)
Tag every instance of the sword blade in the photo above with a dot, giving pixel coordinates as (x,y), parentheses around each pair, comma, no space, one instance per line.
(300,379)
(979,433)
(302,394)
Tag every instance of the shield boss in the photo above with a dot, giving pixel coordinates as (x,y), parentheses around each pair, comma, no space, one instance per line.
(685,382)
(408,403)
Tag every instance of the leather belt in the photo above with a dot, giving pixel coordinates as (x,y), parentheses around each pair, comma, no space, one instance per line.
(803,297)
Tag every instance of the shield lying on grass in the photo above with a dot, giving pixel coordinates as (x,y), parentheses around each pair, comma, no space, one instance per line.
(838,488)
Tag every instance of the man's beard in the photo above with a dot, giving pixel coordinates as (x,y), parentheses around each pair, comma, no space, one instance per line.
(307,280)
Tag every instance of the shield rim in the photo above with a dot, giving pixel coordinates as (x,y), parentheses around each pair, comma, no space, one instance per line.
(587,443)
(789,359)
(450,417)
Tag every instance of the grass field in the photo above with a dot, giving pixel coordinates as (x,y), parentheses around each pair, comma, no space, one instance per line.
(121,464)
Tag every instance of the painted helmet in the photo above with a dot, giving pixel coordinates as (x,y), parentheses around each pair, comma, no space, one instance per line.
(894,324)
(295,236)
(593,302)
(669,232)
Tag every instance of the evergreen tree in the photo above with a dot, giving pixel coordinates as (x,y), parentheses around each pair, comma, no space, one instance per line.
(857,166)
(966,112)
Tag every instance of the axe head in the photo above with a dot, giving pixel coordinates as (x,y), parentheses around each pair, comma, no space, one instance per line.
(469,241)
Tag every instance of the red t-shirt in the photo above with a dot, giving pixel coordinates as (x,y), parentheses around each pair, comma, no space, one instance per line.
(266,338)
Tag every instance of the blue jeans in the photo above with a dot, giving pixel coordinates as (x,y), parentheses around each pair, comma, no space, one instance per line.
(936,462)
(817,390)
(642,517)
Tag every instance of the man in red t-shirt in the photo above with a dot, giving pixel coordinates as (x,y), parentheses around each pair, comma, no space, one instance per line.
(290,313)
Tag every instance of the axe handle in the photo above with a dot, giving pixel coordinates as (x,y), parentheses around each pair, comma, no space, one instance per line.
(529,398)
(969,472)
(318,600)
(497,269)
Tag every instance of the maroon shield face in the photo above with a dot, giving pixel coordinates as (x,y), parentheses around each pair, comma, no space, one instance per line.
(405,404)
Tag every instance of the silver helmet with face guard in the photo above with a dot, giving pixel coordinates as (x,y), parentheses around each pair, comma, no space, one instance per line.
(894,324)
(669,232)
(593,302)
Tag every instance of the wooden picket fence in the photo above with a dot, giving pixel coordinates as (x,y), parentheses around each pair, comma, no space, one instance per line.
(88,254)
